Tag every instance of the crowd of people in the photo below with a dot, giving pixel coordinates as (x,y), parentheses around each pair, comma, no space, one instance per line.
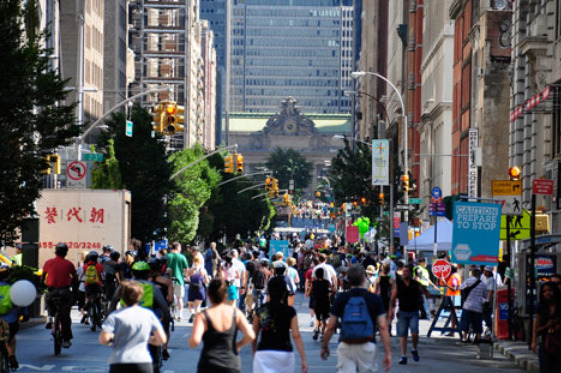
(246,288)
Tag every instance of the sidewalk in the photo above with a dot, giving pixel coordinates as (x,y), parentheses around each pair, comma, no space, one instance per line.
(520,354)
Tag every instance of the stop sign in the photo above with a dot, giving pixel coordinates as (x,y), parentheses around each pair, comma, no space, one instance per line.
(441,268)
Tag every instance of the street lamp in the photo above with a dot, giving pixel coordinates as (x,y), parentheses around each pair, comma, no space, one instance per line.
(342,137)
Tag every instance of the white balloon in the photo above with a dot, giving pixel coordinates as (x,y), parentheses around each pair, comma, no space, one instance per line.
(23,293)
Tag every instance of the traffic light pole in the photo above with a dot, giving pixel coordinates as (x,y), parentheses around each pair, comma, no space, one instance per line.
(235,146)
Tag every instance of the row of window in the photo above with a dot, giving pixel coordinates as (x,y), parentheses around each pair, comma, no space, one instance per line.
(286,53)
(283,41)
(264,22)
(301,32)
(266,92)
(288,82)
(274,71)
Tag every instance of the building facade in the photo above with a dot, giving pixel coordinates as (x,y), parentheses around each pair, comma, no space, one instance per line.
(301,49)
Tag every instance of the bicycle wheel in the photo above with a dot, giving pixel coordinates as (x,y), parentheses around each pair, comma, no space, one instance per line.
(93,316)
(57,334)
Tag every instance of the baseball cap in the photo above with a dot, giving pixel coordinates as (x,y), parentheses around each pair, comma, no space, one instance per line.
(488,268)
(422,259)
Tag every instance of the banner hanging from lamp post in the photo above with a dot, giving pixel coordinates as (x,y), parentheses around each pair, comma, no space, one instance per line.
(380,162)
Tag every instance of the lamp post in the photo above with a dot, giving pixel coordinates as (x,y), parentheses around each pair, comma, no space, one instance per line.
(358,74)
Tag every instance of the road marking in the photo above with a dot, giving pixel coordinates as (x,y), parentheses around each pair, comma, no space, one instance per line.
(44,368)
(73,368)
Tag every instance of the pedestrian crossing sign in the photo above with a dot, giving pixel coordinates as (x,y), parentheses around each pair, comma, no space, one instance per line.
(509,193)
(519,226)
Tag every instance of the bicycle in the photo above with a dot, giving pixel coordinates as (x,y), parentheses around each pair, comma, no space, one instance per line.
(4,356)
(94,310)
(56,329)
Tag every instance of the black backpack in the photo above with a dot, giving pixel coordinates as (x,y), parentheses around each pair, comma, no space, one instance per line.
(465,292)
(258,279)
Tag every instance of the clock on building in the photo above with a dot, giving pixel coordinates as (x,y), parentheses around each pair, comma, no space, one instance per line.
(290,125)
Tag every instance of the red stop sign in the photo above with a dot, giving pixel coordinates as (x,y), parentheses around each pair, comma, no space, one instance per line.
(441,268)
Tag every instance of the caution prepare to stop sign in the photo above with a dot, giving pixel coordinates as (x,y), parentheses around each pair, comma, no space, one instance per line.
(441,268)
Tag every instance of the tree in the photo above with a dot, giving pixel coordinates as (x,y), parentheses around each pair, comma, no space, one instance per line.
(288,164)
(193,188)
(144,171)
(107,174)
(34,120)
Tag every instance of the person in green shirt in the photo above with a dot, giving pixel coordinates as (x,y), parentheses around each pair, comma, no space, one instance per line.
(178,265)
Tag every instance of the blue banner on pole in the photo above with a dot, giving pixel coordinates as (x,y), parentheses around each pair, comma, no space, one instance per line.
(475,238)
(276,246)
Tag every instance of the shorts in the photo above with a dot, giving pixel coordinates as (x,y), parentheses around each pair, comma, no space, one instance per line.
(471,318)
(311,303)
(232,292)
(362,358)
(407,321)
(179,291)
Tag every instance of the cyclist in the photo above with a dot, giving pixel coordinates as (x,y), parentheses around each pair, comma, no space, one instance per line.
(93,280)
(106,253)
(112,271)
(9,314)
(60,275)
(152,298)
(165,284)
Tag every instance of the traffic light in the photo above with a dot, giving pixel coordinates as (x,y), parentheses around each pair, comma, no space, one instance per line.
(515,173)
(363,201)
(381,198)
(52,158)
(239,164)
(405,183)
(180,118)
(275,188)
(229,164)
(286,199)
(158,119)
(169,121)
(267,184)
(318,194)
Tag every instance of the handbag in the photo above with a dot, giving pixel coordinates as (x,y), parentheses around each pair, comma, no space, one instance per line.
(553,340)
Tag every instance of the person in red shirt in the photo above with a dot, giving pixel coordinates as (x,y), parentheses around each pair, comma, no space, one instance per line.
(60,275)
(308,288)
(93,271)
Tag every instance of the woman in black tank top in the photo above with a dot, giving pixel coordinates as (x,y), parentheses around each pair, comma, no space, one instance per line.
(217,327)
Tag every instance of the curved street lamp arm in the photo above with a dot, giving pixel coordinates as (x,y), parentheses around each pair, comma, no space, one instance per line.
(239,177)
(235,146)
(251,187)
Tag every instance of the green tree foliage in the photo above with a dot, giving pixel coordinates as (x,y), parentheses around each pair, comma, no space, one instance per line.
(33,117)
(229,213)
(144,171)
(193,188)
(287,164)
(107,175)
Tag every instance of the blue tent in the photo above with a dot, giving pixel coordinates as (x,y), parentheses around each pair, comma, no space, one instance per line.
(425,241)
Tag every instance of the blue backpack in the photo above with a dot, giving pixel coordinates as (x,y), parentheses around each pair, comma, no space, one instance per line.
(356,324)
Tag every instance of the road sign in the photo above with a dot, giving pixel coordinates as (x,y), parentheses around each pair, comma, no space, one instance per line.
(128,128)
(519,226)
(76,175)
(441,268)
(437,209)
(352,234)
(94,157)
(542,186)
(509,192)
(403,207)
(436,192)
(415,201)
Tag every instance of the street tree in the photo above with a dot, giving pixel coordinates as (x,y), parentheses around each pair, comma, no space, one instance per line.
(193,188)
(34,117)
(289,164)
(144,171)
(106,175)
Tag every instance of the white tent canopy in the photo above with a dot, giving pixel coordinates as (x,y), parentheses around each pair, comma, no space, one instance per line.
(425,241)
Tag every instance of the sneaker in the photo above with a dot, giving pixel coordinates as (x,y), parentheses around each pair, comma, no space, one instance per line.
(14,365)
(165,354)
(403,360)
(316,335)
(87,322)
(415,354)
(191,319)
(49,324)
(433,314)
(66,344)
(449,334)
(312,323)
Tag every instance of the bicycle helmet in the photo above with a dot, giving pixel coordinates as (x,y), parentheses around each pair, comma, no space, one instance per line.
(61,249)
(129,253)
(140,270)
(107,248)
(92,256)
(115,255)
(4,271)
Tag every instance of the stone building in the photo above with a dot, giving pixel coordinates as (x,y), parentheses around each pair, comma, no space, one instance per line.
(259,134)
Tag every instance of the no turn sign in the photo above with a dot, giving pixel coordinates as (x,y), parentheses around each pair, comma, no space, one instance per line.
(441,268)
(76,175)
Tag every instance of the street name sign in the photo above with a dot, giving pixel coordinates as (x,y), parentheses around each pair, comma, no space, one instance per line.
(94,157)
(415,201)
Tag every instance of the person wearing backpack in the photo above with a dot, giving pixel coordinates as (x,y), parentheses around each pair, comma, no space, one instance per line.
(474,294)
(360,313)
(93,272)
(407,291)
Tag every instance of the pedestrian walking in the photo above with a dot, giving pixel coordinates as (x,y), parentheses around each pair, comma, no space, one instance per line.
(383,286)
(474,294)
(360,312)
(547,329)
(274,322)
(407,291)
(129,330)
(198,277)
(179,266)
(320,290)
(217,328)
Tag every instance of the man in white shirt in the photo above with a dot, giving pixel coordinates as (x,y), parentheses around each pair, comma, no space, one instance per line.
(330,273)
(241,282)
(489,278)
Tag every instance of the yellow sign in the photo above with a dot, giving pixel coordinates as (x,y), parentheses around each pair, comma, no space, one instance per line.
(519,226)
(507,188)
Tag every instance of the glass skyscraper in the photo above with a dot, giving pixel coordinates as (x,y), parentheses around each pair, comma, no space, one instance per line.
(298,48)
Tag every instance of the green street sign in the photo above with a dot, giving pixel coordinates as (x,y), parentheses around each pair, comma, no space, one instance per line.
(128,128)
(415,201)
(386,213)
(93,157)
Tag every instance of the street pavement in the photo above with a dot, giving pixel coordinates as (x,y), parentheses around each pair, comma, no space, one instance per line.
(438,354)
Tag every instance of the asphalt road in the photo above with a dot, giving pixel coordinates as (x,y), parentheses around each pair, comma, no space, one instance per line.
(438,354)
